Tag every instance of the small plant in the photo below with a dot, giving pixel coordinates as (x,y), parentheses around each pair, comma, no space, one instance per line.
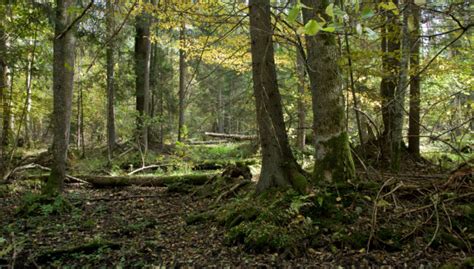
(39,204)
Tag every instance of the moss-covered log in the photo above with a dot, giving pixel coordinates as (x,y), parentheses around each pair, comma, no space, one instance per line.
(156,181)
(149,180)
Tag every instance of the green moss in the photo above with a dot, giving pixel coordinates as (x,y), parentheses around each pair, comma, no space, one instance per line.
(195,218)
(337,165)
(468,262)
(299,181)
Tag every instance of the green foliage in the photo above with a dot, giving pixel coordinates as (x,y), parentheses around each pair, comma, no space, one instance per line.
(39,204)
(267,223)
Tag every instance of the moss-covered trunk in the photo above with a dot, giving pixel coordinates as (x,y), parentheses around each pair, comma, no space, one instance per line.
(333,159)
(279,167)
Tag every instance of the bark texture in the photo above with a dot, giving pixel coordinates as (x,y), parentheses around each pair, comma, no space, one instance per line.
(63,78)
(301,131)
(142,72)
(110,51)
(390,66)
(182,83)
(4,90)
(3,94)
(399,98)
(333,159)
(415,83)
(279,168)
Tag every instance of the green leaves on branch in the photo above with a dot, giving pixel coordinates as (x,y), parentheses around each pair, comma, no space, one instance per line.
(312,27)
(389,6)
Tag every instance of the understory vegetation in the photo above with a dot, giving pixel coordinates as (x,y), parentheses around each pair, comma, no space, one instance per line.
(246,134)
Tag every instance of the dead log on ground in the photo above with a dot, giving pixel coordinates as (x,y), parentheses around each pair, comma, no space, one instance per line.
(155,181)
(236,137)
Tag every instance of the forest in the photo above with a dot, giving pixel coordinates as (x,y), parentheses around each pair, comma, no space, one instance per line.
(236,133)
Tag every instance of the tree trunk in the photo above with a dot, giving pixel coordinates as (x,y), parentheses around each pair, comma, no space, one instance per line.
(279,167)
(110,51)
(3,93)
(333,159)
(399,98)
(415,81)
(301,131)
(28,82)
(182,82)
(142,72)
(4,90)
(390,64)
(63,78)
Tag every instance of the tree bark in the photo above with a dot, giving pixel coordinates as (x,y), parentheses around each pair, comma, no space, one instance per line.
(63,78)
(300,71)
(3,93)
(415,83)
(399,98)
(333,159)
(279,167)
(142,72)
(110,51)
(182,82)
(4,89)
(28,83)
(390,64)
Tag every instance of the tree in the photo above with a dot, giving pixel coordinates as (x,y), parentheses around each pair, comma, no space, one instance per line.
(301,131)
(4,89)
(390,68)
(279,167)
(63,78)
(110,51)
(399,97)
(142,73)
(182,81)
(333,159)
(3,93)
(415,81)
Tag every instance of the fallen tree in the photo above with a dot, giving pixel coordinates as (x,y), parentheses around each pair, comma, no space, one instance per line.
(237,137)
(128,180)
(155,181)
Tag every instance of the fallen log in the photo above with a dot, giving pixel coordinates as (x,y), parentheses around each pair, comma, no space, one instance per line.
(155,181)
(209,142)
(148,180)
(237,137)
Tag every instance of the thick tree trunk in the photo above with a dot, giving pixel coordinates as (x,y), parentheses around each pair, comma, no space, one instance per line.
(300,71)
(390,64)
(415,82)
(279,167)
(63,78)
(110,80)
(182,82)
(333,159)
(399,98)
(142,72)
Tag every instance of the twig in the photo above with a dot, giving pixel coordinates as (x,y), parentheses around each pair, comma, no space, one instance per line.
(435,204)
(69,27)
(394,189)
(374,214)
(112,36)
(430,205)
(234,188)
(144,168)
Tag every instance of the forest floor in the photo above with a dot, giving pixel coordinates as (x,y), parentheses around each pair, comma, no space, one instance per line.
(138,226)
